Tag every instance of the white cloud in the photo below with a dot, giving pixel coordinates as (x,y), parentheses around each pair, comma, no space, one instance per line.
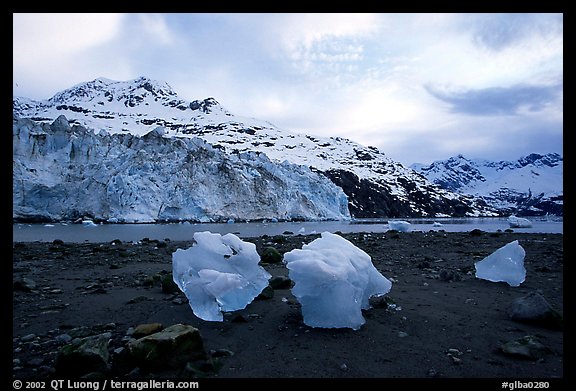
(154,27)
(53,35)
(48,49)
(360,76)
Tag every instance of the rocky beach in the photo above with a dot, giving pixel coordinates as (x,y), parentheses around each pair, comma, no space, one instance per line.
(111,310)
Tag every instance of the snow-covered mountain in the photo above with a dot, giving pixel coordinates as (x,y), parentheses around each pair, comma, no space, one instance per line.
(63,172)
(376,185)
(531,185)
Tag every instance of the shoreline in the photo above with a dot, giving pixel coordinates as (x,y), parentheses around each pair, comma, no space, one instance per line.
(439,321)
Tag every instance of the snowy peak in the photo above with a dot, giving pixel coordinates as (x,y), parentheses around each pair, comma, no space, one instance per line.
(452,174)
(135,106)
(503,184)
(128,92)
(537,160)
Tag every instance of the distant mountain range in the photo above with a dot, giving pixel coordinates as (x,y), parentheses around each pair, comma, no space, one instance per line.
(531,185)
(106,111)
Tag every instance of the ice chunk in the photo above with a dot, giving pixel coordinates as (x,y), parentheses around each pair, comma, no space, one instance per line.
(504,265)
(519,222)
(218,273)
(399,225)
(333,282)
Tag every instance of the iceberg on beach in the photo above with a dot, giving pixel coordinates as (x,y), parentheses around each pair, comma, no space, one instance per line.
(504,265)
(334,281)
(519,222)
(218,273)
(399,225)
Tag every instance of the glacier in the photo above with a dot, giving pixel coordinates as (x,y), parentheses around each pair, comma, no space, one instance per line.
(504,265)
(63,171)
(334,281)
(376,185)
(218,273)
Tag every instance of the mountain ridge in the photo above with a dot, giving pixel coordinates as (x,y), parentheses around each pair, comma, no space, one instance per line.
(529,185)
(376,185)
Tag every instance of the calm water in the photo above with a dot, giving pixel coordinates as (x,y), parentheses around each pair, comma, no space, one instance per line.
(184,231)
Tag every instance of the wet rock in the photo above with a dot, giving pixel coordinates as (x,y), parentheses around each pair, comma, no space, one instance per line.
(28,338)
(172,347)
(85,331)
(24,285)
(84,355)
(280,282)
(143,330)
(168,284)
(266,294)
(527,347)
(63,338)
(449,275)
(533,308)
(270,255)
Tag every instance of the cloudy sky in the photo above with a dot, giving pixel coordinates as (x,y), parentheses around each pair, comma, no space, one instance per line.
(420,87)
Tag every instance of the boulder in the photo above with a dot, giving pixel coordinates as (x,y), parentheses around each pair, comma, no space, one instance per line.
(527,347)
(143,330)
(84,355)
(170,348)
(24,284)
(533,308)
(270,255)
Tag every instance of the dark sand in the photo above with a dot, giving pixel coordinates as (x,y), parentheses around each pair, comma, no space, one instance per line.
(439,328)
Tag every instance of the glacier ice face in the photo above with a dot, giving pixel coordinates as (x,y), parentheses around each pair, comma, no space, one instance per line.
(504,265)
(334,281)
(63,173)
(218,273)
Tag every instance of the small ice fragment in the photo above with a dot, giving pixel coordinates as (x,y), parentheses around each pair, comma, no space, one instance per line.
(519,222)
(399,225)
(218,273)
(504,265)
(334,281)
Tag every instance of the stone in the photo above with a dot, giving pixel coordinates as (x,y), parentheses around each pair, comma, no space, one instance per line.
(24,285)
(280,282)
(143,330)
(449,275)
(270,255)
(84,355)
(168,284)
(527,347)
(266,294)
(533,308)
(172,348)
